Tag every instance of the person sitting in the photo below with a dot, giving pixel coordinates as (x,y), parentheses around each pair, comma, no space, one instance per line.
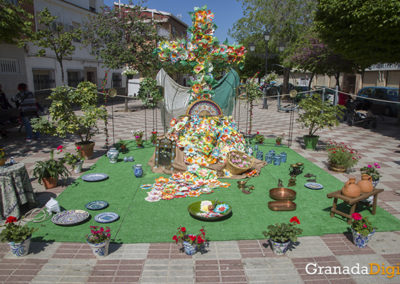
(27,105)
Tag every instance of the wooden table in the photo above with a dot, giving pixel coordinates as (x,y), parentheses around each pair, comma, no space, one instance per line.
(352,201)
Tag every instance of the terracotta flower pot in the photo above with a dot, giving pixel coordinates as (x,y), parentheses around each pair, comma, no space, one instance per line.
(3,161)
(336,168)
(86,149)
(50,182)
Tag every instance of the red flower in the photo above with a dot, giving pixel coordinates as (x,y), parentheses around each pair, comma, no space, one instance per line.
(60,148)
(356,216)
(78,147)
(258,132)
(192,238)
(364,225)
(294,219)
(175,238)
(183,229)
(11,219)
(200,240)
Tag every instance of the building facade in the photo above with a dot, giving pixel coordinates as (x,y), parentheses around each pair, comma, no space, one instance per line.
(42,73)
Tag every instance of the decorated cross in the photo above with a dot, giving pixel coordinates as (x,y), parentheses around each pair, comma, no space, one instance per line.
(202,52)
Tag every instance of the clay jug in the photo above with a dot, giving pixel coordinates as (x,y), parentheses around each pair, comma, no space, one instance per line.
(365,183)
(351,189)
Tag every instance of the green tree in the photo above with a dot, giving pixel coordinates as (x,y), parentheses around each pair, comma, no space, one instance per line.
(285,20)
(15,22)
(122,38)
(364,31)
(53,35)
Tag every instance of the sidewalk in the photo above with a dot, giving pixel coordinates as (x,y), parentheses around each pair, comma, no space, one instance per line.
(227,262)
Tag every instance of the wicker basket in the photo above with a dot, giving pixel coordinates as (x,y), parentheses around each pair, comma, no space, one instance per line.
(235,170)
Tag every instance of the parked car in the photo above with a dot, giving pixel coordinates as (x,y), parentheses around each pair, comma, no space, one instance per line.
(387,94)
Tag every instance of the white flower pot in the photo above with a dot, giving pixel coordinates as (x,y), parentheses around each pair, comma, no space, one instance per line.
(100,249)
(20,249)
(279,248)
(78,167)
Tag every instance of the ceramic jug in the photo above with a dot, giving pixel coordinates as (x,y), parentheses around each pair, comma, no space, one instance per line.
(365,183)
(138,171)
(112,155)
(351,189)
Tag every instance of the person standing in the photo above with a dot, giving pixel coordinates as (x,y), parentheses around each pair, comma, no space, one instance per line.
(4,104)
(26,103)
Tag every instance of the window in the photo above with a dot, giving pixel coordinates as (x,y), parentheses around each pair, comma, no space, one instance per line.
(74,78)
(43,79)
(9,66)
(116,80)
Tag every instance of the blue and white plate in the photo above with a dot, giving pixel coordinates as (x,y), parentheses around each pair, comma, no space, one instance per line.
(70,217)
(106,217)
(96,205)
(95,177)
(314,185)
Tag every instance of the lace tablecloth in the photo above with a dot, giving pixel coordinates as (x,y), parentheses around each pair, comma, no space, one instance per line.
(16,190)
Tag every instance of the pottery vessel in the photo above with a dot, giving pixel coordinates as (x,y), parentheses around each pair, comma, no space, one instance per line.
(279,248)
(20,249)
(112,155)
(351,189)
(365,183)
(100,249)
(138,170)
(359,240)
(86,149)
(49,182)
(78,167)
(189,248)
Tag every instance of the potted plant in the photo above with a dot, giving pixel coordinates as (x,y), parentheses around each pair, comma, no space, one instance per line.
(259,138)
(341,156)
(121,146)
(317,114)
(2,157)
(17,236)
(278,140)
(65,119)
(154,137)
(74,160)
(138,134)
(191,243)
(149,93)
(361,230)
(99,240)
(372,171)
(281,235)
(49,171)
(129,72)
(252,92)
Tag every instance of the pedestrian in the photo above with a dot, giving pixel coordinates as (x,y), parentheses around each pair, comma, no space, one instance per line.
(4,104)
(28,108)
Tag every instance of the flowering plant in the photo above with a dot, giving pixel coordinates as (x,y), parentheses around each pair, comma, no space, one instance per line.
(183,236)
(259,138)
(128,71)
(153,137)
(284,232)
(339,154)
(279,139)
(51,168)
(2,153)
(372,171)
(70,158)
(138,134)
(98,234)
(361,224)
(14,232)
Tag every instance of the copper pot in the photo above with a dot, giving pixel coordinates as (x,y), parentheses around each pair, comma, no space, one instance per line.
(282,193)
(282,205)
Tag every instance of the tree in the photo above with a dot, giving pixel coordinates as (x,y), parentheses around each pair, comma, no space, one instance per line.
(364,31)
(122,38)
(312,55)
(285,20)
(53,35)
(15,22)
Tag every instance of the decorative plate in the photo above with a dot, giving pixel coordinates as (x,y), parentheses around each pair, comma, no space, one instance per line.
(70,217)
(96,205)
(204,108)
(106,217)
(95,177)
(314,185)
(217,214)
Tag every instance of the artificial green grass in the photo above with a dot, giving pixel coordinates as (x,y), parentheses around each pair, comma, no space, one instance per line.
(141,221)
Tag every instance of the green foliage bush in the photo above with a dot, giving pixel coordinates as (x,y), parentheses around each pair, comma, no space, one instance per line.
(50,168)
(149,93)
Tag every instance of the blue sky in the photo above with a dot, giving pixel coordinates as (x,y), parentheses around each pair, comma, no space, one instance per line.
(226,11)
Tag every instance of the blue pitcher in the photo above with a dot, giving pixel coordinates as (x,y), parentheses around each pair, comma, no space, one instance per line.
(277,160)
(268,158)
(260,155)
(138,171)
(283,157)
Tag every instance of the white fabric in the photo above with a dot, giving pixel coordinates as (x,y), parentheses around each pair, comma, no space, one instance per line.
(176,98)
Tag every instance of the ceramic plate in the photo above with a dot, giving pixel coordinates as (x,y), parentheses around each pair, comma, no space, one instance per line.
(70,217)
(95,177)
(106,217)
(195,212)
(314,185)
(96,205)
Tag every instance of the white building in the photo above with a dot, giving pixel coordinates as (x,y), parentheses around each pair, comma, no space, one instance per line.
(19,65)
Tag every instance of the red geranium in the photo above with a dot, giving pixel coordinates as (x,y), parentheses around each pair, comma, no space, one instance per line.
(195,240)
(11,219)
(183,229)
(294,219)
(60,148)
(356,216)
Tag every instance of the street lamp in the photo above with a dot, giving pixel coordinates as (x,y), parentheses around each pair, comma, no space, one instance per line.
(266,38)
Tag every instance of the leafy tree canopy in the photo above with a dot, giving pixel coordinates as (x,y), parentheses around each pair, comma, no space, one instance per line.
(15,22)
(365,31)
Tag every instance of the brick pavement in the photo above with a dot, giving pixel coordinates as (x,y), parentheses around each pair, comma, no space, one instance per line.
(247,261)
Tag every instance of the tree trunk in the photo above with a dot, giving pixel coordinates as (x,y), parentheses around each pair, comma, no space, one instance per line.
(126,109)
(62,71)
(285,87)
(310,82)
(337,77)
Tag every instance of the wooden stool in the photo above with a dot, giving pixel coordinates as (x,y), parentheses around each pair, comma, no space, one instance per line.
(352,201)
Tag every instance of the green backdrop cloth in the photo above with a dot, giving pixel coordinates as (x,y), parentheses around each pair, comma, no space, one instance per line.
(144,222)
(225,92)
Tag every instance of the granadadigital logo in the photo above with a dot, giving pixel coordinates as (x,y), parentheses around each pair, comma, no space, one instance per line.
(372,269)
